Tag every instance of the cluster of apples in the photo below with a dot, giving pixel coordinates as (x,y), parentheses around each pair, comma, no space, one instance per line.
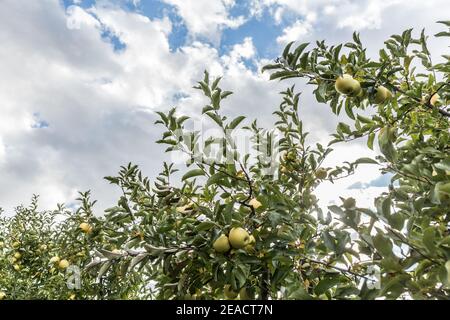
(238,238)
(289,160)
(351,87)
(16,260)
(61,263)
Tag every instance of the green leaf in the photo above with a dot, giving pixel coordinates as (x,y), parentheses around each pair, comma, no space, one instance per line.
(215,178)
(286,49)
(300,294)
(205,225)
(304,60)
(298,51)
(216,83)
(349,109)
(391,264)
(225,94)
(443,165)
(207,108)
(215,99)
(182,119)
(279,274)
(366,160)
(329,241)
(136,260)
(167,141)
(442,34)
(326,283)
(429,235)
(345,128)
(364,119)
(109,254)
(270,67)
(215,117)
(336,209)
(193,173)
(104,268)
(386,145)
(383,245)
(371,64)
(370,140)
(282,74)
(236,122)
(447,22)
(163,116)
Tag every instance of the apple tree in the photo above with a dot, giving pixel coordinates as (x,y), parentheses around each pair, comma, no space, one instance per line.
(238,222)
(44,254)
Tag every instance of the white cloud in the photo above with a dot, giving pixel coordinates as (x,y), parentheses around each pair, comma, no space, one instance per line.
(295,32)
(278,15)
(99,102)
(367,17)
(207,18)
(240,51)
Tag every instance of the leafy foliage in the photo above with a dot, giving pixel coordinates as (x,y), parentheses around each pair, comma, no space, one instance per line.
(407,234)
(158,241)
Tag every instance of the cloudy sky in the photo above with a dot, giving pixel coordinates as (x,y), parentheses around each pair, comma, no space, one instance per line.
(80,80)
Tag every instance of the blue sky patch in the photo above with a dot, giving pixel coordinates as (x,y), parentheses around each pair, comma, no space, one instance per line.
(38,122)
(381,181)
(155,9)
(263,29)
(110,37)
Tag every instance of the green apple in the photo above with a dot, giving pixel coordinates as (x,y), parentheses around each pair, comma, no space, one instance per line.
(244,294)
(347,85)
(250,247)
(283,169)
(85,227)
(447,267)
(349,203)
(382,94)
(238,238)
(321,173)
(291,155)
(443,190)
(255,203)
(434,99)
(55,259)
(63,264)
(222,244)
(229,292)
